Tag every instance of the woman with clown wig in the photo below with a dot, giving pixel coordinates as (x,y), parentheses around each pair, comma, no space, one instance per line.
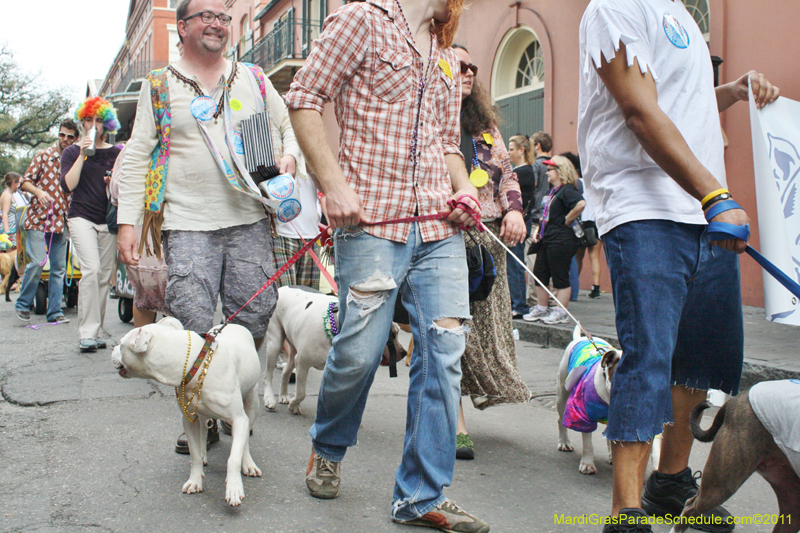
(86,176)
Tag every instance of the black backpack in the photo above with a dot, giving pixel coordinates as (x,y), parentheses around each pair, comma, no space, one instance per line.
(482,271)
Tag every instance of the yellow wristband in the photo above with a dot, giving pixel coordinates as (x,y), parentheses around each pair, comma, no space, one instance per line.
(711,195)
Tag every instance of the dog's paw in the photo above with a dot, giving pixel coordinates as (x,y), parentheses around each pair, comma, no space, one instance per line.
(284,399)
(250,469)
(270,403)
(565,447)
(234,493)
(587,468)
(294,408)
(192,486)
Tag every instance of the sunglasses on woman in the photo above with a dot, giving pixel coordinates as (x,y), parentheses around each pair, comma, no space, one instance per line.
(469,66)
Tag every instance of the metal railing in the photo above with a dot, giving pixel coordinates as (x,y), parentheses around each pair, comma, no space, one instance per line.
(289,39)
(137,69)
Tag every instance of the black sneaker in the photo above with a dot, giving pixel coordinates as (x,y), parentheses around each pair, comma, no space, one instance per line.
(666,494)
(629,521)
(25,316)
(595,292)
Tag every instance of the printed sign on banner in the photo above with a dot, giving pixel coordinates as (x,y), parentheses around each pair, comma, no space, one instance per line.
(776,158)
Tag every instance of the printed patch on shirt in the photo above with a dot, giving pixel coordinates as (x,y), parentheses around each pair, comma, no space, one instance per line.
(445,66)
(675,31)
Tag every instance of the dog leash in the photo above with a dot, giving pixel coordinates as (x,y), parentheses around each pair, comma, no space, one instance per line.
(720,231)
(453,204)
(317,262)
(211,336)
(51,217)
(518,260)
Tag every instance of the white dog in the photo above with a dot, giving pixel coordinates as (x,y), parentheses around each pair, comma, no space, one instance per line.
(298,320)
(229,393)
(584,391)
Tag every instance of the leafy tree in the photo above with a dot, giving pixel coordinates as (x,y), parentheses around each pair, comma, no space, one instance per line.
(28,110)
(14,163)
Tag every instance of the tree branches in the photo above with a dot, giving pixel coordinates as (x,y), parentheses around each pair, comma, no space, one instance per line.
(28,110)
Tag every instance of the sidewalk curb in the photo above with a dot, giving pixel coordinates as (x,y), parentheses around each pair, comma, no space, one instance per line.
(559,336)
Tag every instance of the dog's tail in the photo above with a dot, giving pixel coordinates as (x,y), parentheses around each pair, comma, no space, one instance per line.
(697,415)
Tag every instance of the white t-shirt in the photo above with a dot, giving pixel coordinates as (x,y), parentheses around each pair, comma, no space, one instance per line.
(623,183)
(776,404)
(588,210)
(306,221)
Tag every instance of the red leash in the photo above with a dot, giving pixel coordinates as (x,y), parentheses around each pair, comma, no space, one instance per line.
(307,246)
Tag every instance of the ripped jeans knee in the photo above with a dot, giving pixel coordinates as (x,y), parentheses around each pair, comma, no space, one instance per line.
(371,293)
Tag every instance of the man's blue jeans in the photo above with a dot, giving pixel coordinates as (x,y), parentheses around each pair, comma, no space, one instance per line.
(516,276)
(35,248)
(431,279)
(679,320)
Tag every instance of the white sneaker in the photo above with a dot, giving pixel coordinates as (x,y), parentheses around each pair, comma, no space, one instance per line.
(556,316)
(536,314)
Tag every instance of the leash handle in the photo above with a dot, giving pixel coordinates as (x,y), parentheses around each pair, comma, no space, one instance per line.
(720,231)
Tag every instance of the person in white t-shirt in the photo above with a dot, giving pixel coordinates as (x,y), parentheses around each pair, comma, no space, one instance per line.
(289,241)
(652,152)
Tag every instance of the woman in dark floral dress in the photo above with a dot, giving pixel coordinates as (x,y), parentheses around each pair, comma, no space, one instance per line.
(489,363)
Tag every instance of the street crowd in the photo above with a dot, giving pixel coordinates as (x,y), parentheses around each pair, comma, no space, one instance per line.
(471,233)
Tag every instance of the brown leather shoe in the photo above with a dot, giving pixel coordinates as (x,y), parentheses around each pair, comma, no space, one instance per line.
(182,445)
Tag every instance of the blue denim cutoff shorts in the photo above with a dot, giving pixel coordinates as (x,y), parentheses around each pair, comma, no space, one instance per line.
(679,321)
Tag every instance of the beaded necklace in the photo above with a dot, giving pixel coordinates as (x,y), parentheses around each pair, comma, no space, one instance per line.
(199,92)
(422,82)
(184,402)
(329,322)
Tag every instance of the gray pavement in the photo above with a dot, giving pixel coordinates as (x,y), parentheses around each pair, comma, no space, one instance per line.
(82,450)
(770,349)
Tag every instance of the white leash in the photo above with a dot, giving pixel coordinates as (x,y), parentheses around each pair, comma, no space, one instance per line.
(542,285)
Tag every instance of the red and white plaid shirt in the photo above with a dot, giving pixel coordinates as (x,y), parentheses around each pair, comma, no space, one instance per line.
(366,62)
(45,173)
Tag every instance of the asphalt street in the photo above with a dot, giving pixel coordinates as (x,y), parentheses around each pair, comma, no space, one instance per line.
(83,450)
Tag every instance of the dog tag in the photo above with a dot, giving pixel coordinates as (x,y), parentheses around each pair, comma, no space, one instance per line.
(203,108)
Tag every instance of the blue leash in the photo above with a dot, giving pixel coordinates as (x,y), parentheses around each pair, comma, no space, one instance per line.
(720,231)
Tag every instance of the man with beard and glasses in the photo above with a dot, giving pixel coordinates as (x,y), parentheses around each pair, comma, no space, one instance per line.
(388,68)
(44,225)
(216,234)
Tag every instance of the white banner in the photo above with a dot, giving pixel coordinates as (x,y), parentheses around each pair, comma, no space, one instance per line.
(776,158)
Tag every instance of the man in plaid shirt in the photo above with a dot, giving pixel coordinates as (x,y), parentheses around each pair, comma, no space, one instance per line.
(388,67)
(46,215)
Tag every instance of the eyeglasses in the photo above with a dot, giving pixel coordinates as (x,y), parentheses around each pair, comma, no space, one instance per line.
(67,136)
(469,66)
(208,18)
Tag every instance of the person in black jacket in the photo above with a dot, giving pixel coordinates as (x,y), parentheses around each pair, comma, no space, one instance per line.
(557,239)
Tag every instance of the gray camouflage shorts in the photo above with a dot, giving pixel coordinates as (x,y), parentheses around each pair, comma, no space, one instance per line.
(232,264)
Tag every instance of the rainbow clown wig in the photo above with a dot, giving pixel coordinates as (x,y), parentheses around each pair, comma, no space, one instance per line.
(96,106)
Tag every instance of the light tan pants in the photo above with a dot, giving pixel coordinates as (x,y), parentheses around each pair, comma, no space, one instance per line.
(95,249)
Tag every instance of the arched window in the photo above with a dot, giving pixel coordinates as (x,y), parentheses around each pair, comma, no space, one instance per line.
(700,11)
(518,82)
(530,71)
